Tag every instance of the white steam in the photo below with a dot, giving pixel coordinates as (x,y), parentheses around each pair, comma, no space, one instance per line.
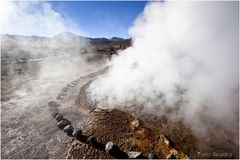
(184,57)
(34,18)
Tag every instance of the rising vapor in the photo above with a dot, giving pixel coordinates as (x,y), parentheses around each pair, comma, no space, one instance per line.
(184,61)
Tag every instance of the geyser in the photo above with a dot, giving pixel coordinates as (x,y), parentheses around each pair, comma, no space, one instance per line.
(184,59)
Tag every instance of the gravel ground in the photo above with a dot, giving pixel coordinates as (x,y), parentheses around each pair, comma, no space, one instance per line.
(27,128)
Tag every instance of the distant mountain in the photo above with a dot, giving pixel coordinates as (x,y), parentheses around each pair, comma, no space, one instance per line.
(68,37)
(63,37)
(116,39)
(72,36)
(66,34)
(20,37)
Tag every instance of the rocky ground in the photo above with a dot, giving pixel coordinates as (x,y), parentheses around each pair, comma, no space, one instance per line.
(38,70)
(145,134)
(28,130)
(126,132)
(39,93)
(29,126)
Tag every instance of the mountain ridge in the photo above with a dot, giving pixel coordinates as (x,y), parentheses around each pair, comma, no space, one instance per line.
(66,35)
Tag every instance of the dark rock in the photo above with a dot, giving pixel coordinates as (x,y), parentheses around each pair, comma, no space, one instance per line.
(68,129)
(114,151)
(65,89)
(109,147)
(171,156)
(18,70)
(92,140)
(63,123)
(69,85)
(53,104)
(59,97)
(77,133)
(54,112)
(62,94)
(59,117)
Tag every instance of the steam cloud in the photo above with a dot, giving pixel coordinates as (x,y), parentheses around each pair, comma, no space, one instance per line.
(184,58)
(35,63)
(34,18)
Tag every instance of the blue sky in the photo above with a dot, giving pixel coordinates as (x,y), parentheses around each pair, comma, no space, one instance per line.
(86,18)
(101,18)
